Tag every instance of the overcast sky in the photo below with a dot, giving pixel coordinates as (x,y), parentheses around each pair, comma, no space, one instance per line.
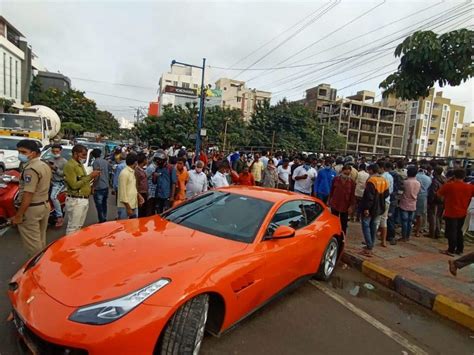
(344,43)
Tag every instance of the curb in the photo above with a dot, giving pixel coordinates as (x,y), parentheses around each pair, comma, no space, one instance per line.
(438,303)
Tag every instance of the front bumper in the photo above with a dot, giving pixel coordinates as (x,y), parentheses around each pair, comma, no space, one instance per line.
(43,323)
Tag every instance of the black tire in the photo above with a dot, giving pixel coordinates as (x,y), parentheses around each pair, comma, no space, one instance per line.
(185,330)
(328,260)
(2,169)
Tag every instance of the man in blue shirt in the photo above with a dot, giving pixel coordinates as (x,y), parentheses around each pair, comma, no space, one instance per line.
(118,170)
(323,182)
(164,178)
(422,201)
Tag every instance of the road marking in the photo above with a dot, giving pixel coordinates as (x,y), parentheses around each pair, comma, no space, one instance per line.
(371,320)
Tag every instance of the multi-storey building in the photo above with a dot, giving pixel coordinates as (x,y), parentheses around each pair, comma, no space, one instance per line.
(236,95)
(369,128)
(465,141)
(319,96)
(434,126)
(56,81)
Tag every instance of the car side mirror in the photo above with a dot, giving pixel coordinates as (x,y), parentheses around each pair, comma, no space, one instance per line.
(283,232)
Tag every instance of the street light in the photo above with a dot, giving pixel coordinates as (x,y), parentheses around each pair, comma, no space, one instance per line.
(225,134)
(202,100)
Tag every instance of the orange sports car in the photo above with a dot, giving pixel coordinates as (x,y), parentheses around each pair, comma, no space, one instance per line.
(154,285)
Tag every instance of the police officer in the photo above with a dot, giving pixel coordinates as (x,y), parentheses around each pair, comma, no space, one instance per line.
(32,202)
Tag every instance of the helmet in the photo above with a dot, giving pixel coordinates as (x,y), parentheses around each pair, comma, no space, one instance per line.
(349,160)
(160,154)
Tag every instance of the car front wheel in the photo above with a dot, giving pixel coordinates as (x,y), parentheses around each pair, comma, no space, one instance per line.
(185,330)
(328,261)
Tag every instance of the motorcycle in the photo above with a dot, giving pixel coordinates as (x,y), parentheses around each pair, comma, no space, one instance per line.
(9,188)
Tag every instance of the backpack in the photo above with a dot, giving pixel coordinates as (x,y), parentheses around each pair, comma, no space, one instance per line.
(397,185)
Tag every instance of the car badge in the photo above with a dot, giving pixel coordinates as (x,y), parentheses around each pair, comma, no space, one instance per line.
(29,300)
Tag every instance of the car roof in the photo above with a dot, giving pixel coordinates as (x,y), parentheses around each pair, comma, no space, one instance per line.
(272,195)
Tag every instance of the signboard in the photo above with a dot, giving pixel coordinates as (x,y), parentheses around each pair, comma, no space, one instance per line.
(180,91)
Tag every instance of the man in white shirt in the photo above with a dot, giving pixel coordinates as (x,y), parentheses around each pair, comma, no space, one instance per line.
(304,176)
(284,172)
(197,182)
(220,179)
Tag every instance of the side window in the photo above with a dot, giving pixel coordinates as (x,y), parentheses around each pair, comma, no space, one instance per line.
(291,214)
(312,210)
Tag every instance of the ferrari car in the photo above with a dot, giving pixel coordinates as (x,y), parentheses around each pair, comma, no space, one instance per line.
(155,285)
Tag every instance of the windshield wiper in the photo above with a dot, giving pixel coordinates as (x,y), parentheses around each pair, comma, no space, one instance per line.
(189,214)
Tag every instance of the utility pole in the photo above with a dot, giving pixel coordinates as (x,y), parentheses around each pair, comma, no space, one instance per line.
(273,141)
(202,102)
(322,138)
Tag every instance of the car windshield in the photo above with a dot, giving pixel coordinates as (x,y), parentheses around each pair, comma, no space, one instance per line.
(66,153)
(12,121)
(9,144)
(222,214)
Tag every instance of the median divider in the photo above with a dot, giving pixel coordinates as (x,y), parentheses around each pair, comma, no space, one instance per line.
(441,304)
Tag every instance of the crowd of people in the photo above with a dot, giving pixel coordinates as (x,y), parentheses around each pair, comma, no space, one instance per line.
(382,194)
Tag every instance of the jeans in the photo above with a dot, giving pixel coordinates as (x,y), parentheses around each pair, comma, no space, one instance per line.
(407,222)
(391,221)
(100,199)
(142,210)
(454,234)
(122,213)
(162,204)
(370,225)
(323,198)
(56,188)
(343,216)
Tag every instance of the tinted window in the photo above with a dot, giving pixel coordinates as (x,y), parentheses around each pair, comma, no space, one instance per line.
(312,210)
(65,153)
(9,144)
(291,214)
(222,214)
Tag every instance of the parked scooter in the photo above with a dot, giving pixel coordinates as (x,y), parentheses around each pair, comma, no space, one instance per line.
(9,187)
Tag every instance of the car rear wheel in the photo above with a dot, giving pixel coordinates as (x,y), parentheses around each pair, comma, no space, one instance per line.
(328,261)
(185,330)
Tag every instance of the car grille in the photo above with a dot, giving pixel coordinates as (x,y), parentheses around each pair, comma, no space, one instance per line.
(41,346)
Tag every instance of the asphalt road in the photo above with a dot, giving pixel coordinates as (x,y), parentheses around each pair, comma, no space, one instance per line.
(342,316)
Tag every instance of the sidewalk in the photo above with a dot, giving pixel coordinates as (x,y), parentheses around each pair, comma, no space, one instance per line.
(417,270)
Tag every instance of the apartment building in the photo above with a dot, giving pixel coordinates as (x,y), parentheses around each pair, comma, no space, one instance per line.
(369,127)
(319,96)
(235,94)
(465,141)
(434,126)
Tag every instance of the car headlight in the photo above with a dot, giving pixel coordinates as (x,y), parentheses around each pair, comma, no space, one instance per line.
(11,159)
(109,311)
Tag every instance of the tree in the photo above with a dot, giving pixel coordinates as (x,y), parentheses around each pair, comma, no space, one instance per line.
(71,129)
(73,106)
(428,59)
(6,105)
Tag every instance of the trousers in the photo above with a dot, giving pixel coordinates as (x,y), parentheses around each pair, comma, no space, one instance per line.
(76,209)
(454,234)
(100,200)
(33,228)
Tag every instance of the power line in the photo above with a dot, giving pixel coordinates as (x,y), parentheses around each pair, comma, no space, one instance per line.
(429,21)
(325,11)
(370,50)
(271,40)
(112,83)
(117,97)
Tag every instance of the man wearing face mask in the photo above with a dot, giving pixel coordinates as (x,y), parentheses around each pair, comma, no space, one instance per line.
(78,185)
(164,178)
(57,163)
(32,202)
(128,198)
(197,181)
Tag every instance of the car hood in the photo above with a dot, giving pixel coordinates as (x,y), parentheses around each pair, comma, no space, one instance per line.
(109,260)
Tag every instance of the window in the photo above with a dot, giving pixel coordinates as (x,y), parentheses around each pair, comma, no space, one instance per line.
(239,99)
(4,72)
(441,132)
(11,76)
(195,86)
(175,83)
(414,104)
(222,214)
(323,92)
(168,81)
(16,79)
(296,214)
(427,107)
(185,85)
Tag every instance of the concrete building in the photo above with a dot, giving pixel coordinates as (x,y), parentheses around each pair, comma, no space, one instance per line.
(434,126)
(319,96)
(465,141)
(15,63)
(235,94)
(369,127)
(53,80)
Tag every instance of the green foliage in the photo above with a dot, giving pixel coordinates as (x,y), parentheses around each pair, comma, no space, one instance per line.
(428,59)
(73,107)
(6,105)
(294,126)
(71,129)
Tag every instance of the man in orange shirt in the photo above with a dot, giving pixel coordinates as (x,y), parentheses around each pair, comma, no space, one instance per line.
(457,195)
(182,179)
(246,178)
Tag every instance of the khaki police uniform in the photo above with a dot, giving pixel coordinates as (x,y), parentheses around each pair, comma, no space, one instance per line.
(35,178)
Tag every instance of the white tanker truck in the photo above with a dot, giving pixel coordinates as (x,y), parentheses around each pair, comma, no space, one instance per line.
(38,122)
